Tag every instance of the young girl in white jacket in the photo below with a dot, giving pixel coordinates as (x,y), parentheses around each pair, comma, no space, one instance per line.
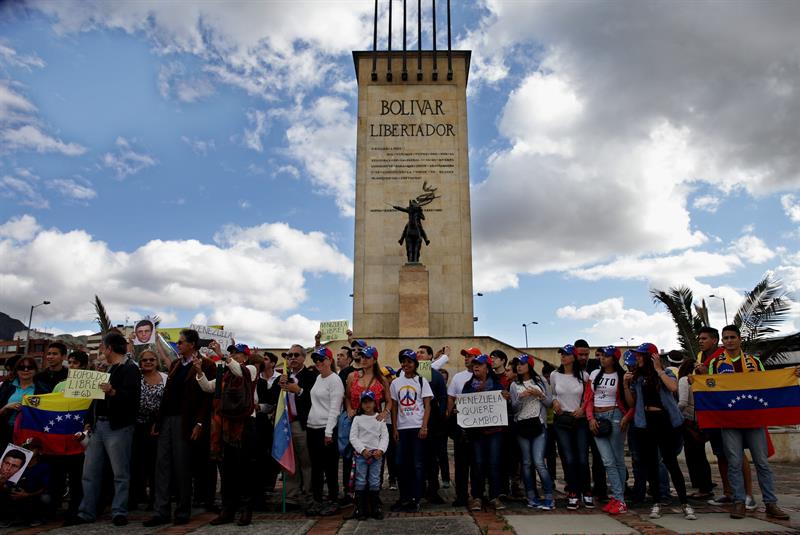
(370,438)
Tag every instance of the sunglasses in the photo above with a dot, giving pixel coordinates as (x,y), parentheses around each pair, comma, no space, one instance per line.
(147,360)
(26,368)
(293,355)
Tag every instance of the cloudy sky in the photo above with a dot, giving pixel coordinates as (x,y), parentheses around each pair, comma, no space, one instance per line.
(197,161)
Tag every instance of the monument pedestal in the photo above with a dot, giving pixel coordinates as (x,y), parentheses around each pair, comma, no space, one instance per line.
(414,303)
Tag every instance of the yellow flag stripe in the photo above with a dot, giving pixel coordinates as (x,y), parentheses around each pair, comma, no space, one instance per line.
(745,381)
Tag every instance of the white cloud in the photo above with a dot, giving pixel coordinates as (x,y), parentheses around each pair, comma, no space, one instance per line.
(21,228)
(791,206)
(707,203)
(322,138)
(72,189)
(248,279)
(23,189)
(610,320)
(252,136)
(29,137)
(752,249)
(12,103)
(173,79)
(200,146)
(126,161)
(11,57)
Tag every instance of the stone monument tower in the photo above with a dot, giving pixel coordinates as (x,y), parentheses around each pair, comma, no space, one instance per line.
(412,183)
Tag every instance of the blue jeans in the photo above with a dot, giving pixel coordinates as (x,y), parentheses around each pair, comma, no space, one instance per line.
(532,453)
(574,443)
(368,473)
(116,444)
(612,450)
(410,464)
(735,441)
(486,451)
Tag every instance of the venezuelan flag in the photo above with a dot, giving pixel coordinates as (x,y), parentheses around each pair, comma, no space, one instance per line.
(747,400)
(54,420)
(282,448)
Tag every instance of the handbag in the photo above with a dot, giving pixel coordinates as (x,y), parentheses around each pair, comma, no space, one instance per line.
(529,427)
(603,427)
(565,420)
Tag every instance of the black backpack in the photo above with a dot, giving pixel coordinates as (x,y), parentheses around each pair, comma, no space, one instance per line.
(237,400)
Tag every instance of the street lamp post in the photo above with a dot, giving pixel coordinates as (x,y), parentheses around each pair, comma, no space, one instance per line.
(627,340)
(525,326)
(724,306)
(30,319)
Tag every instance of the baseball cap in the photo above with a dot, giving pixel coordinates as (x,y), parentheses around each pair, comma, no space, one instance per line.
(239,348)
(408,354)
(610,351)
(368,394)
(525,359)
(321,353)
(646,347)
(675,358)
(471,352)
(358,343)
(568,349)
(370,351)
(630,358)
(482,359)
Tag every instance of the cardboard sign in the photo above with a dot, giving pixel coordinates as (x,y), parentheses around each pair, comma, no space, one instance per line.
(225,338)
(481,409)
(144,332)
(85,384)
(171,334)
(333,330)
(424,369)
(13,464)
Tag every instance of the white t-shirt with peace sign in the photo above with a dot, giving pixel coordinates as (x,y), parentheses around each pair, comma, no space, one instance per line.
(405,393)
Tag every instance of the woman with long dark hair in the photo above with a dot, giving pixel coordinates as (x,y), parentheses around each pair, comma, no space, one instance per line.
(694,441)
(609,417)
(572,429)
(530,398)
(658,421)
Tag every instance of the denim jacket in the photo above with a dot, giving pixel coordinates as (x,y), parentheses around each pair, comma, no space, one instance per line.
(667,401)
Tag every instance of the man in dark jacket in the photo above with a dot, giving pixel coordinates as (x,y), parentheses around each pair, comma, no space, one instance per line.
(298,384)
(111,422)
(54,371)
(182,419)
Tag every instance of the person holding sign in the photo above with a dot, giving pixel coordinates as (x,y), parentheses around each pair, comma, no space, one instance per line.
(487,442)
(530,398)
(411,402)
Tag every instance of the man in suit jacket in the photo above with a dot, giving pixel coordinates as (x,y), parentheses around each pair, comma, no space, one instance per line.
(182,419)
(298,384)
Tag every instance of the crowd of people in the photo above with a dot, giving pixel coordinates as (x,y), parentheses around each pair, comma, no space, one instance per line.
(166,438)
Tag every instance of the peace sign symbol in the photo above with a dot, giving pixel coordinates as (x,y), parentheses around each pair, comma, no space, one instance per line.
(408,396)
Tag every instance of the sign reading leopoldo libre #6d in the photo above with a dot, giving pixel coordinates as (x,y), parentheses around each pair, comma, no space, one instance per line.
(481,409)
(85,384)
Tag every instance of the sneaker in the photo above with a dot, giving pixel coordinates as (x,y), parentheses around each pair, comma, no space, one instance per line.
(413,507)
(655,512)
(446,484)
(572,502)
(773,511)
(588,502)
(688,512)
(392,484)
(475,504)
(610,505)
(547,504)
(722,500)
(533,503)
(618,509)
(750,504)
(498,504)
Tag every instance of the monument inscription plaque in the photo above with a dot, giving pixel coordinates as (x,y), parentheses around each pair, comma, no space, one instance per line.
(412,133)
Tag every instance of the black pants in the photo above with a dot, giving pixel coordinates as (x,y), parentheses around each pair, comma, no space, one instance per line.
(432,445)
(389,459)
(64,469)
(462,457)
(660,436)
(324,463)
(203,470)
(550,453)
(267,468)
(143,465)
(694,447)
(239,484)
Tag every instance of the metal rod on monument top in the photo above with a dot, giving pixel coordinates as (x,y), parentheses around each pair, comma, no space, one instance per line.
(449,46)
(435,75)
(375,45)
(404,75)
(419,40)
(389,57)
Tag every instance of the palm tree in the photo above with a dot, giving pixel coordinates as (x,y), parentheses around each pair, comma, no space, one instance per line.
(102,318)
(764,308)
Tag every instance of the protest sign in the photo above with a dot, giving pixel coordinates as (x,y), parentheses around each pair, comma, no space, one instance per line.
(171,334)
(85,384)
(13,464)
(481,409)
(333,330)
(424,369)
(224,338)
(144,332)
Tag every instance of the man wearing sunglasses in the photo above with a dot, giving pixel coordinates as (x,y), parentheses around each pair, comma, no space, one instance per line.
(182,421)
(298,382)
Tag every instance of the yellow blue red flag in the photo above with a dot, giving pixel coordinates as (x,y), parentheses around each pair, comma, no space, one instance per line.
(282,448)
(747,400)
(54,420)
